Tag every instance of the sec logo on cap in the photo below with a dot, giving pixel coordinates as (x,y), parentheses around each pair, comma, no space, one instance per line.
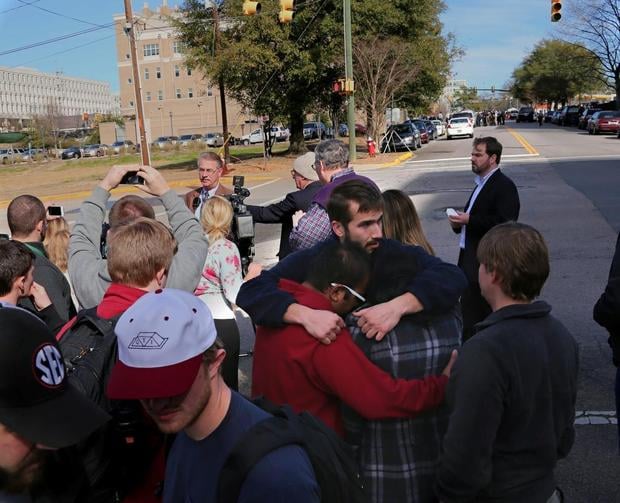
(49,367)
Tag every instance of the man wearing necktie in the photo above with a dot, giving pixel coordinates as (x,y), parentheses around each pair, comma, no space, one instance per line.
(494,200)
(210,168)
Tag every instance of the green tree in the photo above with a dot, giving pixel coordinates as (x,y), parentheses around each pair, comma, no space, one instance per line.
(555,71)
(466,97)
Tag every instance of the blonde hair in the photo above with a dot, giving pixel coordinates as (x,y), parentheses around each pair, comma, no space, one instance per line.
(216,218)
(56,242)
(138,250)
(401,221)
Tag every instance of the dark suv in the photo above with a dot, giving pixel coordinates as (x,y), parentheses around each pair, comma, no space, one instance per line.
(314,130)
(569,116)
(526,114)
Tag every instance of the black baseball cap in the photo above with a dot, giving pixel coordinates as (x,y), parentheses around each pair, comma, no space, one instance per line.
(36,400)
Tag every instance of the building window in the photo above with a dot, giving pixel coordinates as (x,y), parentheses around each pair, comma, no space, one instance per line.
(129,80)
(190,93)
(189,72)
(148,96)
(158,72)
(146,74)
(179,96)
(131,103)
(177,47)
(127,56)
(177,72)
(151,49)
(160,95)
(209,91)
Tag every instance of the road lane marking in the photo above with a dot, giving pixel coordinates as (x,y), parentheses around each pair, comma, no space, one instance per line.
(524,143)
(508,156)
(595,417)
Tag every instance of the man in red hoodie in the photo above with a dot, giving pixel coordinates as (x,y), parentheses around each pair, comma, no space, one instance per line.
(291,367)
(139,257)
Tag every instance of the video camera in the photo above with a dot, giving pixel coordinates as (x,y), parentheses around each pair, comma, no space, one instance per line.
(243,223)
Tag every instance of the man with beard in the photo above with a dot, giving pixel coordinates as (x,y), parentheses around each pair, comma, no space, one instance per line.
(39,413)
(355,210)
(495,200)
(169,359)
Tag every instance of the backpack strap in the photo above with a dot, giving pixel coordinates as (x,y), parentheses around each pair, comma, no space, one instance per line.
(264,437)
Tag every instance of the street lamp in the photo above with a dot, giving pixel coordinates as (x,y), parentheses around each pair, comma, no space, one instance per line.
(171,128)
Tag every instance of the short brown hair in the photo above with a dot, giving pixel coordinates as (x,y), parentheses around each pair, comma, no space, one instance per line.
(24,213)
(138,250)
(492,146)
(211,157)
(367,197)
(15,261)
(517,253)
(128,208)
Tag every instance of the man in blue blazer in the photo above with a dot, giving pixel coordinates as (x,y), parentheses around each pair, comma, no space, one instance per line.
(495,200)
(307,183)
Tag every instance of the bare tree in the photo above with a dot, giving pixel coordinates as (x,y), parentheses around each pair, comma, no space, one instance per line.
(595,24)
(382,69)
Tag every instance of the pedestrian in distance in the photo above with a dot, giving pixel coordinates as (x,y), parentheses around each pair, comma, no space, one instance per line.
(288,211)
(170,359)
(495,200)
(513,390)
(41,416)
(540,116)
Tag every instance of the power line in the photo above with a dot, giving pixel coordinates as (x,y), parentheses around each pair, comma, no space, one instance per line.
(65,50)
(27,4)
(19,6)
(55,39)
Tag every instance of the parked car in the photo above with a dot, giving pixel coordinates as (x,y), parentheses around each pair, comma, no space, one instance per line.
(569,115)
(162,142)
(424,136)
(123,146)
(549,115)
(439,127)
(71,153)
(470,115)
(213,140)
(526,114)
(585,117)
(186,139)
(511,114)
(459,127)
(401,137)
(430,129)
(94,150)
(255,136)
(279,133)
(604,121)
(315,130)
(31,154)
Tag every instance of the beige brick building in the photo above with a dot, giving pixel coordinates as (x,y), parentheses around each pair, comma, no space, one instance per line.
(177,99)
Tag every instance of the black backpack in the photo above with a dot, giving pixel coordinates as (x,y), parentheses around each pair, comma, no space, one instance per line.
(113,456)
(335,468)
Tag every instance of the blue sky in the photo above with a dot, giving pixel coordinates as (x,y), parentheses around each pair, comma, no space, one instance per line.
(495,34)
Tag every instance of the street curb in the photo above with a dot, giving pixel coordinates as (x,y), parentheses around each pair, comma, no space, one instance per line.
(399,160)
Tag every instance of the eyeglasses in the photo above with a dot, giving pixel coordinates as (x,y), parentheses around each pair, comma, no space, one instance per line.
(349,289)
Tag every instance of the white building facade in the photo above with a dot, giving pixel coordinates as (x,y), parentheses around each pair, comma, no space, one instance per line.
(26,93)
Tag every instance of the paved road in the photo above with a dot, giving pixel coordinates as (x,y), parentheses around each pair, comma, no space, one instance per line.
(569,184)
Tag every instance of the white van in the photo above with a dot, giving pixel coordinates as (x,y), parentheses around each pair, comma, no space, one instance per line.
(470,114)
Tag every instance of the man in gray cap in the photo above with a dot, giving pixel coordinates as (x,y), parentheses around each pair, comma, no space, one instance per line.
(307,183)
(40,412)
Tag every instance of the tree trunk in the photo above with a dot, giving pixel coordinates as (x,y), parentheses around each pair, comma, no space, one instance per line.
(297,144)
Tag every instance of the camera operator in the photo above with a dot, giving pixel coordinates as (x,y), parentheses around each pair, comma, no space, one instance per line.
(210,169)
(307,182)
(222,278)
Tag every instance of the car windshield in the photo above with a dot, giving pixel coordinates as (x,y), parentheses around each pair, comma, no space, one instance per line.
(402,129)
(117,143)
(186,137)
(609,114)
(161,138)
(459,120)
(309,125)
(462,114)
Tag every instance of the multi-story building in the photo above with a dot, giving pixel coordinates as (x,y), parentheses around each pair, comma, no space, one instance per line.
(27,93)
(177,99)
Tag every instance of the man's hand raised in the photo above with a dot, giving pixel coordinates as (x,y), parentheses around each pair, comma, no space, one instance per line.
(154,183)
(115,175)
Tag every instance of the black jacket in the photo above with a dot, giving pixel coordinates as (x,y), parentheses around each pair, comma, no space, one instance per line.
(283,211)
(497,202)
(607,309)
(54,282)
(512,397)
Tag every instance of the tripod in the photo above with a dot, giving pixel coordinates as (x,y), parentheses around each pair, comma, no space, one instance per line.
(389,142)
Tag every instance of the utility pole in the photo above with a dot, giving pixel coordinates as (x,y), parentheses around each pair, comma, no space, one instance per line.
(130,32)
(348,72)
(216,28)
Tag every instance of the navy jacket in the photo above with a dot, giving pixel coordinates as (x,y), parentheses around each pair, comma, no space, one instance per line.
(607,309)
(283,211)
(497,202)
(437,284)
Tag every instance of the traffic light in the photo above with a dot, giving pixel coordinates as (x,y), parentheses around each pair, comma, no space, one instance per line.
(343,86)
(338,86)
(556,8)
(250,8)
(286,12)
